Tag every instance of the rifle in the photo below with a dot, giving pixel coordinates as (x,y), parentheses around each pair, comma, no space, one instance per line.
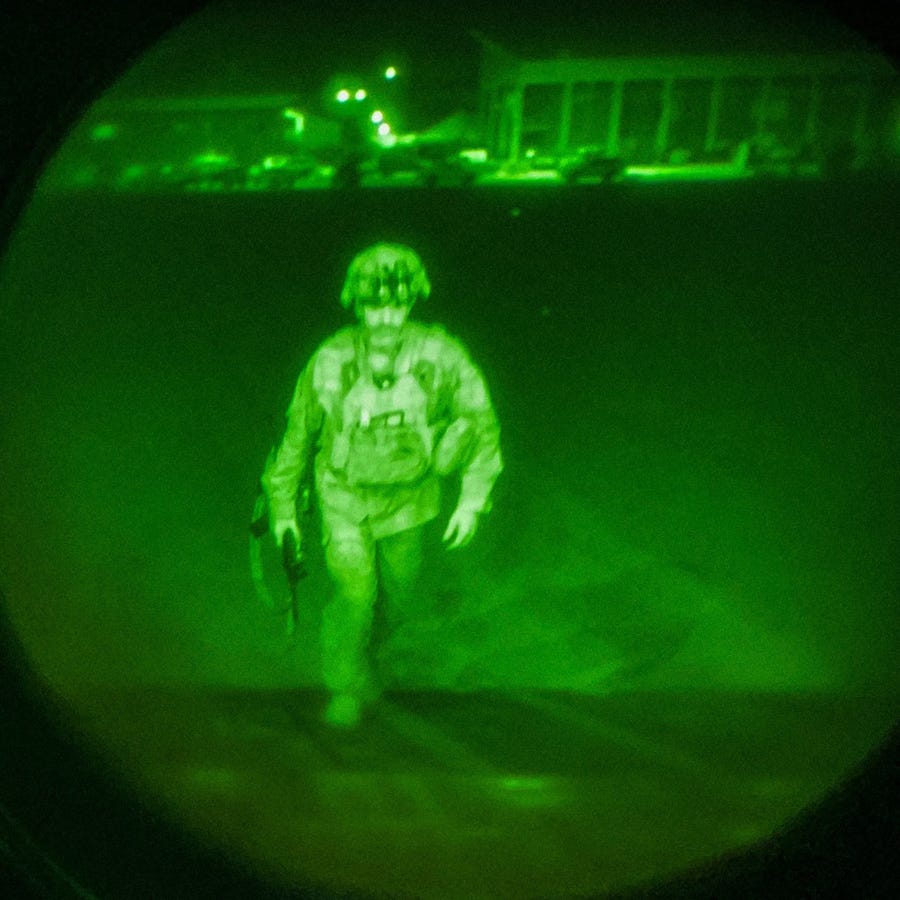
(292,558)
(295,569)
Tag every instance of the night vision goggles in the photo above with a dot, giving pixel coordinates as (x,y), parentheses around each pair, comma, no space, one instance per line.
(385,275)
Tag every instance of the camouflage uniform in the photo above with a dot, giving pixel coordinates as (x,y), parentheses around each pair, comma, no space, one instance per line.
(376,476)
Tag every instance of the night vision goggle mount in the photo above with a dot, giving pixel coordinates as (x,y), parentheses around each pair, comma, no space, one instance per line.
(385,274)
(390,284)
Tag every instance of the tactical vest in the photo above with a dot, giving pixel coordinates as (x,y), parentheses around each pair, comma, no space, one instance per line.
(384,436)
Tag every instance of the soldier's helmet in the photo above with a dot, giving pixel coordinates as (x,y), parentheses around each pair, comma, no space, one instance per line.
(385,274)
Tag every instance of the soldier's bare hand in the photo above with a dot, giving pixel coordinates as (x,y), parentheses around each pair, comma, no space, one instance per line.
(461,528)
(282,527)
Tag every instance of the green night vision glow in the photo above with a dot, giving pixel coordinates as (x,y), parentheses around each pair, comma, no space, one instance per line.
(532,792)
(211,158)
(104,132)
(673,629)
(298,118)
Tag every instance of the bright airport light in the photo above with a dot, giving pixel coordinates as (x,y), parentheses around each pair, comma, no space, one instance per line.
(298,117)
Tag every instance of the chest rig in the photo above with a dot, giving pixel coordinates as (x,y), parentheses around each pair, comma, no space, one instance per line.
(385,437)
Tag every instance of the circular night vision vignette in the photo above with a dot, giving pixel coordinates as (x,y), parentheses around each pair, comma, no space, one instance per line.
(38,867)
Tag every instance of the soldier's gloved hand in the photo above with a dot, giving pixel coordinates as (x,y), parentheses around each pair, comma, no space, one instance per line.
(281,527)
(461,528)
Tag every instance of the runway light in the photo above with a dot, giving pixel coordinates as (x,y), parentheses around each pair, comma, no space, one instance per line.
(104,132)
(210,158)
(360,94)
(343,96)
(377,116)
(275,162)
(390,73)
(384,129)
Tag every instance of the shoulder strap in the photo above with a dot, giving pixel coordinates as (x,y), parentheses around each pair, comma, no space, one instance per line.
(362,360)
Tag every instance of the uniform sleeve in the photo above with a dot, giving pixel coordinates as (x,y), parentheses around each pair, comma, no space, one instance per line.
(287,467)
(471,400)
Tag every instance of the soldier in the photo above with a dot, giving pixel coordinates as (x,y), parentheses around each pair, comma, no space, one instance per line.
(393,406)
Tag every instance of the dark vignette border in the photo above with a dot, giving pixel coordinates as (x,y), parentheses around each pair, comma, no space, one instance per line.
(68,828)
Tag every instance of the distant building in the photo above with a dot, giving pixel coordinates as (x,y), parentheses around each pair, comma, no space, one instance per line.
(837,105)
(242,125)
(124,142)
